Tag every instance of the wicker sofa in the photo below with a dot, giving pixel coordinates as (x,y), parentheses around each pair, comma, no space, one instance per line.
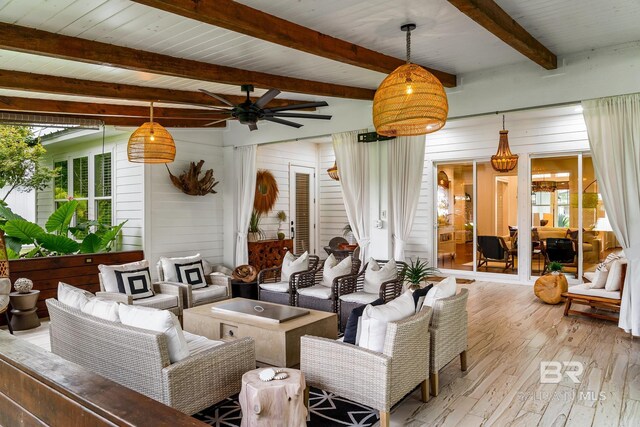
(378,380)
(139,359)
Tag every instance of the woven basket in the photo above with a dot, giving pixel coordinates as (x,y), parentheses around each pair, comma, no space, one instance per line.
(141,149)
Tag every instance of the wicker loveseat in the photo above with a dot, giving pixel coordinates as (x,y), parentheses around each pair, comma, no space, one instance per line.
(378,380)
(139,359)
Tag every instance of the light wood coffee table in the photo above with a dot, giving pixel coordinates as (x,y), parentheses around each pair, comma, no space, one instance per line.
(277,344)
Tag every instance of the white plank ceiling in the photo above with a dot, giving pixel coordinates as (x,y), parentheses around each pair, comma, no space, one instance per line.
(445,39)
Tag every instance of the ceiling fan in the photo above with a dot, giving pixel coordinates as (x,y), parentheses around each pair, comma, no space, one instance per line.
(250,113)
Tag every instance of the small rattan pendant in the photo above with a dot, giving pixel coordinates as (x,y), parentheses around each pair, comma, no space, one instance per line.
(503,160)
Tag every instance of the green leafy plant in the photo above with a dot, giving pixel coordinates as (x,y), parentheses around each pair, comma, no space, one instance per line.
(282,216)
(55,238)
(554,266)
(21,166)
(563,221)
(417,270)
(254,224)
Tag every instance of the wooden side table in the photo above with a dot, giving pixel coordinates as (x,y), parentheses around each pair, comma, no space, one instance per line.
(273,403)
(23,310)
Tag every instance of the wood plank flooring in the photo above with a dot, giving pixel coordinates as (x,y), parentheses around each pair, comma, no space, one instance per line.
(510,333)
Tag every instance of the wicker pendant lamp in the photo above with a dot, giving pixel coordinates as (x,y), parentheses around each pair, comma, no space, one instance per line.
(410,100)
(503,160)
(333,172)
(151,143)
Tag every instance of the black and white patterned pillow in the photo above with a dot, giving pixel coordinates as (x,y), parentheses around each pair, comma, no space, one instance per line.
(191,273)
(136,283)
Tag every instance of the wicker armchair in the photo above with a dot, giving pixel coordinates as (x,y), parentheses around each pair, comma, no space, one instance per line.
(218,288)
(5,288)
(351,293)
(167,296)
(139,359)
(322,298)
(378,380)
(278,291)
(448,335)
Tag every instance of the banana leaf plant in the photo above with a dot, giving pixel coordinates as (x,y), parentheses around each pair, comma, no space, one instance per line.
(55,238)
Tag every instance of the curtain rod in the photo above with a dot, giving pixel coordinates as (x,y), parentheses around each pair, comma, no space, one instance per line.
(468,116)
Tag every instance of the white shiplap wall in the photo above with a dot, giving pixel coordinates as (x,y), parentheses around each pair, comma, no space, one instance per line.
(546,131)
(127,185)
(278,158)
(177,224)
(332,214)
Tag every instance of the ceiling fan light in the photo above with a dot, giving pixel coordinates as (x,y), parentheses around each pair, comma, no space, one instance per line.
(151,143)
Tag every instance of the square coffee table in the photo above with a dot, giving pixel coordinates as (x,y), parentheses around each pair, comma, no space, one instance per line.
(277,341)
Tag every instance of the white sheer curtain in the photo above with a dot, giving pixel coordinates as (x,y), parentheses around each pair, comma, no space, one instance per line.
(406,165)
(352,158)
(245,188)
(613,125)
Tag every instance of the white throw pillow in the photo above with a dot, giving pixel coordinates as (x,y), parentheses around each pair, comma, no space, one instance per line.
(615,278)
(599,279)
(72,296)
(157,320)
(445,289)
(108,273)
(102,308)
(376,276)
(375,319)
(169,265)
(291,265)
(332,269)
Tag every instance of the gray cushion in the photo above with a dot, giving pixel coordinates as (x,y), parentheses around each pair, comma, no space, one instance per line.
(161,301)
(275,287)
(210,293)
(316,291)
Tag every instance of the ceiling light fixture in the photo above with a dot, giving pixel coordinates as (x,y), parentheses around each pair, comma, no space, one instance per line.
(333,172)
(410,100)
(151,143)
(503,160)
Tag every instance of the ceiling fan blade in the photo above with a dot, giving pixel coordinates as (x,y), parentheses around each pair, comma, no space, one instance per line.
(298,106)
(197,104)
(267,97)
(253,126)
(299,115)
(218,121)
(218,97)
(283,122)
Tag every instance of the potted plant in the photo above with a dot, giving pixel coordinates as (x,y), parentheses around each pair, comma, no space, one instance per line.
(255,232)
(416,271)
(555,268)
(282,217)
(347,233)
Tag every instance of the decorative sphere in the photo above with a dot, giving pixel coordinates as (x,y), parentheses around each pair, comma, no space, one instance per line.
(23,285)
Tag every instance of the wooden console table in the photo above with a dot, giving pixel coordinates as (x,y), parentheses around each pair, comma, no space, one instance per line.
(268,253)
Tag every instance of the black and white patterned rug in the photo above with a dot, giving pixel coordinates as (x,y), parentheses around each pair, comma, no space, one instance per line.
(327,410)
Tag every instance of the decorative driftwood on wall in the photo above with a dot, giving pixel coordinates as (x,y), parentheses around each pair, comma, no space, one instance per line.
(189,181)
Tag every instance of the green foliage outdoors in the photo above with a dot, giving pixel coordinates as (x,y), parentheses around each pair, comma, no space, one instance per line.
(20,161)
(555,266)
(417,270)
(58,236)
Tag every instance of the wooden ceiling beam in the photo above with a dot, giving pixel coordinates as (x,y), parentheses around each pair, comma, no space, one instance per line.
(38,42)
(131,121)
(32,82)
(37,105)
(492,17)
(255,23)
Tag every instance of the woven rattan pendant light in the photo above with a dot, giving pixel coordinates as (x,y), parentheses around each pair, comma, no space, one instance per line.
(503,160)
(410,100)
(151,143)
(333,172)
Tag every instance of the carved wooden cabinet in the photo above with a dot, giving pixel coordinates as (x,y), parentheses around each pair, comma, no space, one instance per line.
(268,253)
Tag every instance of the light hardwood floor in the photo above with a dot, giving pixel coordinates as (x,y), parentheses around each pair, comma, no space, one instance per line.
(510,333)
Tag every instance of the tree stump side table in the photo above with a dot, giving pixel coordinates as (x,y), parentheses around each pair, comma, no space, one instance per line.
(23,310)
(550,287)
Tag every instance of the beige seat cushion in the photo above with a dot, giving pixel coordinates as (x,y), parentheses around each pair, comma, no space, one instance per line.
(582,289)
(275,287)
(197,343)
(161,301)
(317,291)
(210,293)
(360,297)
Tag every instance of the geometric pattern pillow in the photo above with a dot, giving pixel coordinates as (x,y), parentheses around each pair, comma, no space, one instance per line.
(136,283)
(191,273)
